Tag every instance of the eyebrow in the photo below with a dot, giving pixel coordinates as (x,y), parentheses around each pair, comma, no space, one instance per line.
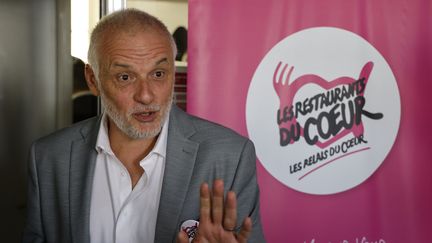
(123,65)
(116,64)
(162,61)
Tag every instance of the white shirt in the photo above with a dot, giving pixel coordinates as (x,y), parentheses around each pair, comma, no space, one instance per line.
(119,214)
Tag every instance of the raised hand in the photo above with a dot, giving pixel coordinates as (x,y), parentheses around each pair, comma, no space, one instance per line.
(218,219)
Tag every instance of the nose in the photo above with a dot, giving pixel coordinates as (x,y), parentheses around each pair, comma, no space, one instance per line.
(144,93)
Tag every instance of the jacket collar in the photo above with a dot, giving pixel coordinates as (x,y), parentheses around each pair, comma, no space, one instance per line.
(179,165)
(82,165)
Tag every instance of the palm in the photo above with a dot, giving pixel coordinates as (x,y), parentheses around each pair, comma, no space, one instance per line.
(218,220)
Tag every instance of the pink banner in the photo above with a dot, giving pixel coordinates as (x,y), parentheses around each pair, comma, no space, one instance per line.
(334,95)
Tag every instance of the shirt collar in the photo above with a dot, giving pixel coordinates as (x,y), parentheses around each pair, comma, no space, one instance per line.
(161,143)
(103,143)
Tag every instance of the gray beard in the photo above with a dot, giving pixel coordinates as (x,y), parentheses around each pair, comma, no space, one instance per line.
(125,126)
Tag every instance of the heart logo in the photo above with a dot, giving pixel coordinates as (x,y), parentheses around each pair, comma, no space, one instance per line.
(344,97)
(322,117)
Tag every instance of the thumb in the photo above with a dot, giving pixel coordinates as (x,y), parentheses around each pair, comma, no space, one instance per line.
(182,237)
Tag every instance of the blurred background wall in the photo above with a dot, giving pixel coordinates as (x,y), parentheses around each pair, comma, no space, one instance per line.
(34,93)
(38,39)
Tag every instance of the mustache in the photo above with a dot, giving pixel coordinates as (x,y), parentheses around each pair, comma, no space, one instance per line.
(145,108)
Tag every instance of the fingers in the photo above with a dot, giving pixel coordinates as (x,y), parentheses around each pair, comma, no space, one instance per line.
(205,203)
(245,231)
(218,218)
(182,237)
(230,217)
(217,202)
(212,205)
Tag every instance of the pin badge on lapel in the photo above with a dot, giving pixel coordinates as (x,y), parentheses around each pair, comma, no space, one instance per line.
(190,227)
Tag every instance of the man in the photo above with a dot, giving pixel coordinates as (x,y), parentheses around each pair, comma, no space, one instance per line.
(139,172)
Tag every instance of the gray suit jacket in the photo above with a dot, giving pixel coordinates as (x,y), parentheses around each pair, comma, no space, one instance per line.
(61,168)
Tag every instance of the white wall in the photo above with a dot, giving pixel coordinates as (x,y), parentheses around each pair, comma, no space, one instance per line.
(172,13)
(84,16)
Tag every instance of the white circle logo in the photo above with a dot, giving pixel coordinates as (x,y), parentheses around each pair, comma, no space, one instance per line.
(323,110)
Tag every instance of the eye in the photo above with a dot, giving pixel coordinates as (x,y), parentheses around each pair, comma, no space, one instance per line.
(159,74)
(125,77)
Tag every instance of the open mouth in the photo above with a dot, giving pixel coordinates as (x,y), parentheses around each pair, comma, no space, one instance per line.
(147,116)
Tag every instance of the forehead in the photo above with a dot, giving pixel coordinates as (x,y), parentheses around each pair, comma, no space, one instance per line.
(134,46)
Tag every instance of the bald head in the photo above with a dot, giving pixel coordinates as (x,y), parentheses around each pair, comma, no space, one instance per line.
(127,21)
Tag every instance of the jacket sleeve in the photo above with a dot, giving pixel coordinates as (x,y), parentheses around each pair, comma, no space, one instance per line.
(246,187)
(33,231)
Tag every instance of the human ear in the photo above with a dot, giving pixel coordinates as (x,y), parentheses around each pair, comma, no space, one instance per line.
(91,80)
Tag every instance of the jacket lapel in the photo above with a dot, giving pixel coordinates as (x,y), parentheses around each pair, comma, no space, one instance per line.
(179,165)
(83,160)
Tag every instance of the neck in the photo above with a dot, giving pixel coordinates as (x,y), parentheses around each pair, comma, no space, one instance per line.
(128,150)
